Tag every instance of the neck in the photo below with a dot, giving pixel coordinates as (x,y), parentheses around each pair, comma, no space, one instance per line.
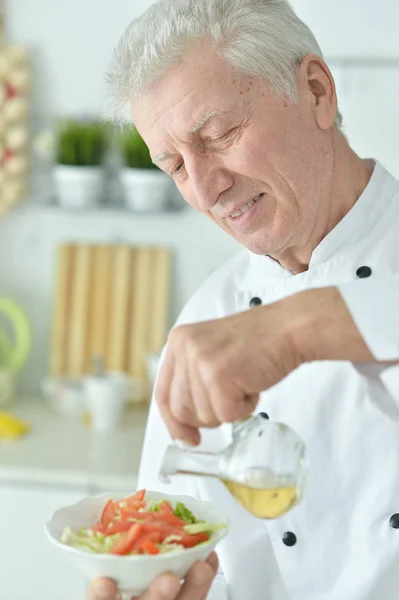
(349,177)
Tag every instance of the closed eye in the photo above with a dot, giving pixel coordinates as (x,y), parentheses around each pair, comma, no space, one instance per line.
(227,134)
(177,169)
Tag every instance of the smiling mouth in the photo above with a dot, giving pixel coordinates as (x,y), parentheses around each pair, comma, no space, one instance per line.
(245,207)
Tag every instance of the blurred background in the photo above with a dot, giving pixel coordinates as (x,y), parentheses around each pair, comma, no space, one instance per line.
(98,253)
(69,46)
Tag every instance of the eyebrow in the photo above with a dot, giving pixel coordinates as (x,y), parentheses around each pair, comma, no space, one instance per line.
(192,131)
(161,157)
(203,120)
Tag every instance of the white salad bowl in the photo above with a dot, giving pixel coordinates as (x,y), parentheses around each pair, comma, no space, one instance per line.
(133,574)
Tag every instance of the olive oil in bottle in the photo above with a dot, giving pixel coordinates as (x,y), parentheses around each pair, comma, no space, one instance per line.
(267,503)
(264,467)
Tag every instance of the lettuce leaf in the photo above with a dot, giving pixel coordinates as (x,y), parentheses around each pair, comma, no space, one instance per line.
(184,513)
(154,506)
(203,527)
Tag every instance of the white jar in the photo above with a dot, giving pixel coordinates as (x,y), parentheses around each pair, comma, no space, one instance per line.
(106,397)
(78,187)
(146,190)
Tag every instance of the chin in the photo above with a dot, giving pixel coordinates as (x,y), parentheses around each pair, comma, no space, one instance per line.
(255,249)
(263,244)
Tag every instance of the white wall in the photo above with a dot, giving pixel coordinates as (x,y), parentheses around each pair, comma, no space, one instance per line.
(28,239)
(71,43)
(352,27)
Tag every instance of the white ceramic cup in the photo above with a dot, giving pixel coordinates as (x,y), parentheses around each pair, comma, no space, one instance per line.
(106,398)
(66,397)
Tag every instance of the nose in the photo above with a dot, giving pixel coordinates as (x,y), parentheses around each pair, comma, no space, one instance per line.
(207,180)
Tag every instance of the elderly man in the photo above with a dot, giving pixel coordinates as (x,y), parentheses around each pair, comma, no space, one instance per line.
(236,103)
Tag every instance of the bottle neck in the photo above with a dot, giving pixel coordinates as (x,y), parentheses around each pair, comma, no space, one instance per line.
(186,462)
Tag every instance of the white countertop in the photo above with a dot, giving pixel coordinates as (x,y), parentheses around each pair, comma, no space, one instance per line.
(62,450)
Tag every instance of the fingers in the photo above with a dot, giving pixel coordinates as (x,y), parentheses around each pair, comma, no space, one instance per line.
(197,387)
(201,400)
(103,589)
(177,430)
(168,586)
(231,403)
(195,587)
(165,587)
(199,580)
(181,397)
(167,382)
(213,562)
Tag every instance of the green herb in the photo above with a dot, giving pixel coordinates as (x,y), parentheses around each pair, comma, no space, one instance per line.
(203,527)
(183,513)
(81,143)
(135,152)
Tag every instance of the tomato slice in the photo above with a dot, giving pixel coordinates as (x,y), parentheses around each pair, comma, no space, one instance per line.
(165,507)
(154,537)
(128,513)
(171,519)
(132,504)
(165,512)
(151,528)
(149,547)
(136,504)
(98,528)
(125,544)
(137,497)
(108,514)
(161,527)
(140,494)
(147,517)
(118,527)
(190,540)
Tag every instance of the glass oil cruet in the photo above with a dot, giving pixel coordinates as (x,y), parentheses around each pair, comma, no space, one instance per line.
(264,467)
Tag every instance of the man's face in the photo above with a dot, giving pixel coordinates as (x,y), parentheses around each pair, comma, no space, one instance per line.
(255,163)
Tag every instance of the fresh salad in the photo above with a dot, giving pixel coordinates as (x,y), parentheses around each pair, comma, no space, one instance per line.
(137,526)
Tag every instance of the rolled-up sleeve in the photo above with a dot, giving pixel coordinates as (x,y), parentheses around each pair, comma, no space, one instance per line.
(374,306)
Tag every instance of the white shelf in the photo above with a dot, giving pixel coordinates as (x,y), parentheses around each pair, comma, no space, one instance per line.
(82,457)
(108,210)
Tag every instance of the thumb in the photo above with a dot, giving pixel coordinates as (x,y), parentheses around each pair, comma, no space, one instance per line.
(252,401)
(103,589)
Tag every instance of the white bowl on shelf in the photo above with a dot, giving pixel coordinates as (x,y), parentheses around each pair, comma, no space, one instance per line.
(146,190)
(78,187)
(133,574)
(64,396)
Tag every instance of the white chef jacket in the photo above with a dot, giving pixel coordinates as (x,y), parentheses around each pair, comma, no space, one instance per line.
(346,547)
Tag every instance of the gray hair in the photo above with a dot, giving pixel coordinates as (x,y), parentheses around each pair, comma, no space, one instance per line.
(257,37)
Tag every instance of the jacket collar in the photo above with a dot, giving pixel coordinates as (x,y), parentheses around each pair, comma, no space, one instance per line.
(355,225)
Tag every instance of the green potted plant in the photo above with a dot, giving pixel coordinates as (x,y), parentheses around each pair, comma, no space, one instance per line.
(146,188)
(80,147)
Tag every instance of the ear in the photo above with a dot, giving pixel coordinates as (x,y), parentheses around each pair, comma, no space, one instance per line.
(316,82)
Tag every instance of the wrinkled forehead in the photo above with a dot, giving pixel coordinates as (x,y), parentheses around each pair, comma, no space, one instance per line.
(201,83)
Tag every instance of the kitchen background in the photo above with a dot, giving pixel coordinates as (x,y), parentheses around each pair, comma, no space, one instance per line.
(70,45)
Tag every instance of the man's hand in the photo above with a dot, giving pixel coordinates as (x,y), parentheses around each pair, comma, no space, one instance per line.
(166,587)
(214,371)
